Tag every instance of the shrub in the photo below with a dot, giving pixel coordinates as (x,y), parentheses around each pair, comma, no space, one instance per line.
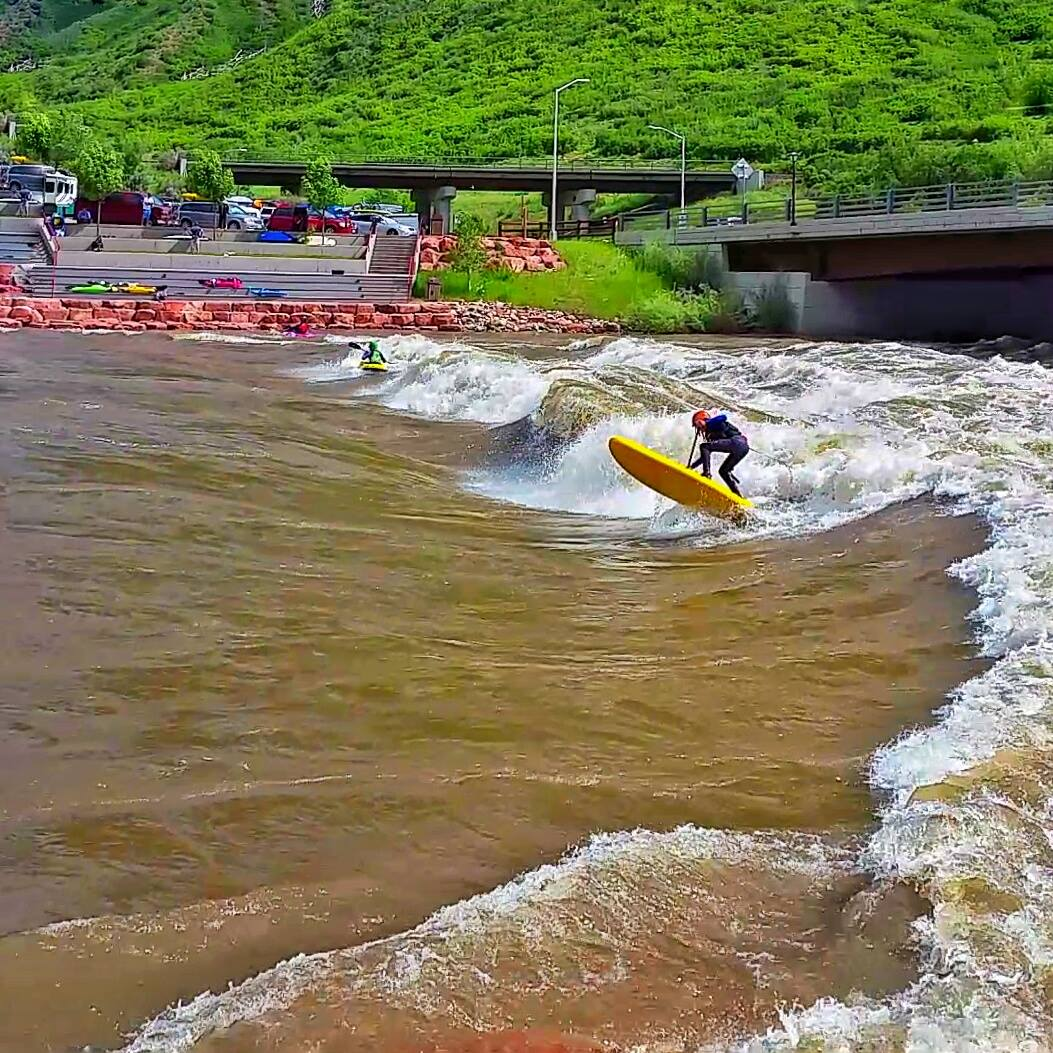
(674,312)
(690,269)
(772,309)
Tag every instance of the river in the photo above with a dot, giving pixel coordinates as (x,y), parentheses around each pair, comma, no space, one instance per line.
(384,713)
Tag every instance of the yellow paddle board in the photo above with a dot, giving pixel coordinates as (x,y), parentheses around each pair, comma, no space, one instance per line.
(676,482)
(374,367)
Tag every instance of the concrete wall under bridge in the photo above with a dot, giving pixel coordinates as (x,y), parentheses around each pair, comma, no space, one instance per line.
(936,309)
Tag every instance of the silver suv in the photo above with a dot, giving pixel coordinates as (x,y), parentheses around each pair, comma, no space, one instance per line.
(208,215)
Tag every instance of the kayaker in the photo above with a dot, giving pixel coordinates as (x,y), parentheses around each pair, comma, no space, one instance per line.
(718,435)
(302,328)
(372,355)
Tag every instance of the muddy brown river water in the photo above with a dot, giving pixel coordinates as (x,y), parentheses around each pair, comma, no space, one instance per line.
(381,681)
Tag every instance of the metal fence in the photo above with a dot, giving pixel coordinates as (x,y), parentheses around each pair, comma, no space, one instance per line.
(895,201)
(585,228)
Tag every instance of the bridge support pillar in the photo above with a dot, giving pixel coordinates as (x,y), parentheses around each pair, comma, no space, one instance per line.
(580,203)
(435,208)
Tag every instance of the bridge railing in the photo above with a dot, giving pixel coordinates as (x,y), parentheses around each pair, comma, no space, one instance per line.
(895,201)
(566,164)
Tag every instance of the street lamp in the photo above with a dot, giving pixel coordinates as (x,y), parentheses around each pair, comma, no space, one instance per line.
(552,206)
(683,159)
(793,189)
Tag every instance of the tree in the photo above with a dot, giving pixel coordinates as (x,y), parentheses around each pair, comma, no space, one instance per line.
(52,138)
(207,176)
(133,150)
(320,187)
(70,136)
(35,136)
(99,169)
(469,256)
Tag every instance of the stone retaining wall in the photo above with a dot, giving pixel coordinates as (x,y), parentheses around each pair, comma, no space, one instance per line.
(131,316)
(510,254)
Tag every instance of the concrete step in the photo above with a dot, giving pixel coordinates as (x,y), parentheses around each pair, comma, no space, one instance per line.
(47,281)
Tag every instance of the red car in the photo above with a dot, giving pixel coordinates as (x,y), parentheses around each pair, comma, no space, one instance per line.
(306,220)
(128,206)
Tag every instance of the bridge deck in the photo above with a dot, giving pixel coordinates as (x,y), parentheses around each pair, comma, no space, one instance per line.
(609,177)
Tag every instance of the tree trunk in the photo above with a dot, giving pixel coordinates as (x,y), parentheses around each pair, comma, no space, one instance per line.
(98,219)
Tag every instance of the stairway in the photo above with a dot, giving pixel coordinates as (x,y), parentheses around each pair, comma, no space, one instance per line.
(184,284)
(394,255)
(22,246)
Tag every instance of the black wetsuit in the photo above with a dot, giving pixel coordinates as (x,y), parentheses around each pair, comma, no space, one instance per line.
(723,437)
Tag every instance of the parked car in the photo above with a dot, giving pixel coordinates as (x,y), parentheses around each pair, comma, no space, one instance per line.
(307,220)
(125,207)
(162,212)
(211,214)
(386,225)
(378,206)
(30,176)
(246,204)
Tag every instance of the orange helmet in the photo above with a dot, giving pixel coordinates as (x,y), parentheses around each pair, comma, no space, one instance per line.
(700,419)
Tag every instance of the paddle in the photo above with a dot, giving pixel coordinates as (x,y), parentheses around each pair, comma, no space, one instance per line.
(691,455)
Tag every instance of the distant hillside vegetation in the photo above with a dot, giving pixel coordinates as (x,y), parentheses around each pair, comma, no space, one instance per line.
(868,91)
(86,49)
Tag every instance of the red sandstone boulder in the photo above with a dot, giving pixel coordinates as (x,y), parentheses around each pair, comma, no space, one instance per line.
(23,313)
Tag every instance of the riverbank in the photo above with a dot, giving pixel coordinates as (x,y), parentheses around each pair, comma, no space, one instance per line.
(661,289)
(137,316)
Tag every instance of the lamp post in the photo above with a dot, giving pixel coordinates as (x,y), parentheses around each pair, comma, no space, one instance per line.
(552,205)
(683,160)
(793,188)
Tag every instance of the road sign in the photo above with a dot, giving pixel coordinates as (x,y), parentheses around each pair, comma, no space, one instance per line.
(742,169)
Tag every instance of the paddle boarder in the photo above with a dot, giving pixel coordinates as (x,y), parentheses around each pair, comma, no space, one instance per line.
(718,435)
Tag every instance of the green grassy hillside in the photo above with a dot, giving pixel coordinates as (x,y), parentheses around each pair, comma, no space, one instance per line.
(869,91)
(92,48)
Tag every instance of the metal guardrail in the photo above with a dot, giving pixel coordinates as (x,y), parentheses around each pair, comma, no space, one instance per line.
(895,201)
(573,164)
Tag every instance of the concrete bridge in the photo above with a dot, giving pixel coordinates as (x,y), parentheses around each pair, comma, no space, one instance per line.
(932,263)
(434,184)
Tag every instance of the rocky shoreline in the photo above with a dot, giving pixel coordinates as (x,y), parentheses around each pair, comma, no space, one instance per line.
(136,316)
